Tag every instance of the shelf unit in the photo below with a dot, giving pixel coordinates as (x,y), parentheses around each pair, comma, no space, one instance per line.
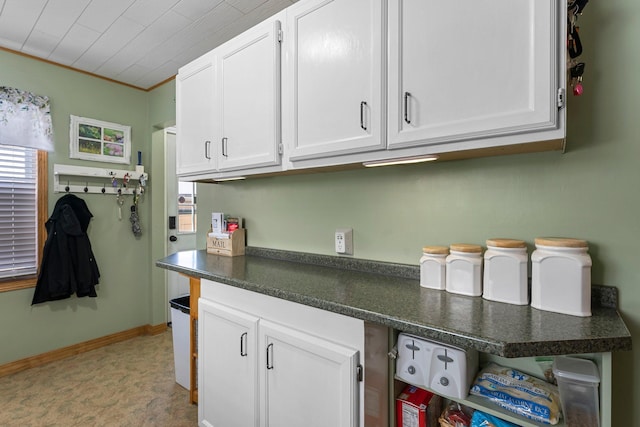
(82,179)
(529,366)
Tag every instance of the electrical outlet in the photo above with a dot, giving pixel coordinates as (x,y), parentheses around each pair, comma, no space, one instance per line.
(344,241)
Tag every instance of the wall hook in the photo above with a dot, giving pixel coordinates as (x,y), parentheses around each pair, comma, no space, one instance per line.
(66,189)
(86,187)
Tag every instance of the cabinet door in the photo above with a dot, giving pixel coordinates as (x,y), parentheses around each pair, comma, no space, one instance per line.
(464,70)
(194,117)
(333,86)
(306,381)
(248,98)
(227,363)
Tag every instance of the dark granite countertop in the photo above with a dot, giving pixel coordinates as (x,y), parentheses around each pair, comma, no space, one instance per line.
(390,294)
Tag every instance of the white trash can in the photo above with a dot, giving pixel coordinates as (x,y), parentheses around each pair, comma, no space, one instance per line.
(180,315)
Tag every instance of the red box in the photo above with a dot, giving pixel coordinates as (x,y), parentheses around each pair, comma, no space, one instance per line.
(416,407)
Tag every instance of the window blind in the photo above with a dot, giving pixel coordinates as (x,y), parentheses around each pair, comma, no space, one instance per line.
(18,211)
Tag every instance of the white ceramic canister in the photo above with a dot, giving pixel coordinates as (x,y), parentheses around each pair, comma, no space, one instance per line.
(464,269)
(505,271)
(561,276)
(433,267)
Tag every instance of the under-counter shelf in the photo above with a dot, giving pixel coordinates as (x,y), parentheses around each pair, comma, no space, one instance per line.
(530,366)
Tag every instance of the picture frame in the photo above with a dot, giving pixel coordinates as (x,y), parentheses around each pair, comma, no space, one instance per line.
(99,141)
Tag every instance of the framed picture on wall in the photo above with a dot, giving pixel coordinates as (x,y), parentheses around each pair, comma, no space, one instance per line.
(99,141)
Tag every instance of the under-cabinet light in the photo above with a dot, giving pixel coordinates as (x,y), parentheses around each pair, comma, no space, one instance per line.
(401,161)
(234,178)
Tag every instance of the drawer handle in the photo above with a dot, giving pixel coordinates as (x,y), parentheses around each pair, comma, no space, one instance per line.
(362,105)
(243,351)
(224,146)
(207,150)
(269,352)
(407,95)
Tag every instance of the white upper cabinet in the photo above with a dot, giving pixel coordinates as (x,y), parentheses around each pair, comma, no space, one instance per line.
(333,78)
(248,98)
(469,70)
(336,82)
(195,151)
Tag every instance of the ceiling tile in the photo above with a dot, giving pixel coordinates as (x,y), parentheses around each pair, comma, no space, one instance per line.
(194,9)
(74,44)
(59,15)
(133,41)
(132,74)
(147,11)
(245,6)
(203,44)
(40,44)
(154,35)
(101,14)
(10,44)
(217,18)
(17,21)
(114,39)
(157,75)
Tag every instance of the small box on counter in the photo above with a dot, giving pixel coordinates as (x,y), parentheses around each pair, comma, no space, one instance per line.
(227,243)
(416,407)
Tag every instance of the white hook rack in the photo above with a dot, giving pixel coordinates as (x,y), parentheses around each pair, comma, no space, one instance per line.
(91,175)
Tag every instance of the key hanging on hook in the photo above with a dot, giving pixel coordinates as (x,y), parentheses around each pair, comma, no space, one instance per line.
(119,202)
(66,189)
(86,187)
(576,73)
(104,188)
(125,180)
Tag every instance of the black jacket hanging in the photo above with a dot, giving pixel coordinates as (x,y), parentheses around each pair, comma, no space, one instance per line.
(68,265)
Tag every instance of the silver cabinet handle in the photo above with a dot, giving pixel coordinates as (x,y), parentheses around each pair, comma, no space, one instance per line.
(269,361)
(224,146)
(243,351)
(207,150)
(362,105)
(407,95)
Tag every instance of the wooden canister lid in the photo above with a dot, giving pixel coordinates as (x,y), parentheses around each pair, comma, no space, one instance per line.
(466,247)
(506,243)
(561,242)
(436,250)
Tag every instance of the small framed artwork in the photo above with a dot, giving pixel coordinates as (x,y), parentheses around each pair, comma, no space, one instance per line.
(99,141)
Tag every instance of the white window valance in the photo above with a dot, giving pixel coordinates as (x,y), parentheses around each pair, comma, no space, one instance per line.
(25,119)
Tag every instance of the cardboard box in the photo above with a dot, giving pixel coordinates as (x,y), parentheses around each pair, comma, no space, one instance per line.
(416,407)
(233,246)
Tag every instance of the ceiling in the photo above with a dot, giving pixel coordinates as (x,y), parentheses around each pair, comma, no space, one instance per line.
(137,42)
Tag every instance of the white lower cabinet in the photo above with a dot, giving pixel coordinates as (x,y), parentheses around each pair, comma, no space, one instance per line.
(227,366)
(306,381)
(268,362)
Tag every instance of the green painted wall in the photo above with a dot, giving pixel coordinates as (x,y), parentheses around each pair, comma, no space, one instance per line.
(590,192)
(123,295)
